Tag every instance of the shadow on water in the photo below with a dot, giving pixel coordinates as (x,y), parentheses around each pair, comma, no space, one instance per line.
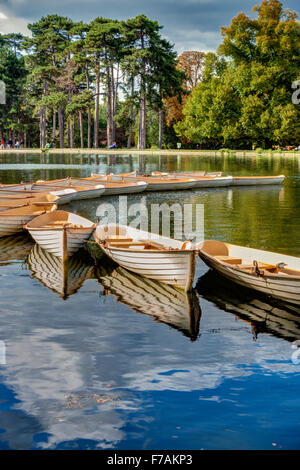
(63,278)
(265,315)
(164,303)
(15,247)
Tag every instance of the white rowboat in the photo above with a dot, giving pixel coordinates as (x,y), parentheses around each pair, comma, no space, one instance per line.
(61,233)
(161,184)
(272,273)
(13,220)
(149,255)
(257,180)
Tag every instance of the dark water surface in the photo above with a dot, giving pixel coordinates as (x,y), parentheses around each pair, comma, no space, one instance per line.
(105,359)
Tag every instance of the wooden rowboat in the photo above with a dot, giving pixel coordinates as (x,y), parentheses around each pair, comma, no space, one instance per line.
(83,190)
(212,180)
(117,187)
(164,303)
(13,220)
(257,180)
(61,233)
(149,255)
(43,200)
(190,174)
(64,278)
(64,195)
(272,273)
(161,184)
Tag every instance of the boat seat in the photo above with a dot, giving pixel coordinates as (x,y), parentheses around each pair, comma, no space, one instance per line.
(156,245)
(118,239)
(125,244)
(229,259)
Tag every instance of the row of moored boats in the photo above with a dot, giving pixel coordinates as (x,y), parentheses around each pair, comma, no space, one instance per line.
(152,256)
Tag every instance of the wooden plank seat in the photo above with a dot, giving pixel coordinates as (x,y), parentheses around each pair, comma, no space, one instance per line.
(229,259)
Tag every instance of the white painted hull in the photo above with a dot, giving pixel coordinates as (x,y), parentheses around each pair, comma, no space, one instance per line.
(123,189)
(168,186)
(52,240)
(82,194)
(13,224)
(217,182)
(175,267)
(13,220)
(256,181)
(171,269)
(61,240)
(64,196)
(279,285)
(16,187)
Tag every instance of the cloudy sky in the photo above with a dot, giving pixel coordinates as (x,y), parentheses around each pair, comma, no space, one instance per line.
(189,24)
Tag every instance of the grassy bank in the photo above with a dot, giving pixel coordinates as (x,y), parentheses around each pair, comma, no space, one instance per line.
(195,153)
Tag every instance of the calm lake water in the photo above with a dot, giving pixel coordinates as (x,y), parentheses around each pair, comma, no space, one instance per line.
(104,359)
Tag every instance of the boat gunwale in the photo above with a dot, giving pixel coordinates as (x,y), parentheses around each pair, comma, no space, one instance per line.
(235,268)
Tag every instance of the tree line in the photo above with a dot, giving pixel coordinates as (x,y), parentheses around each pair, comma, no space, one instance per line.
(60,74)
(75,84)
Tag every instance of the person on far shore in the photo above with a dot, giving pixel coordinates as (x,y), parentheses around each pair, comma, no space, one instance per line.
(113,146)
(10,144)
(2,144)
(17,144)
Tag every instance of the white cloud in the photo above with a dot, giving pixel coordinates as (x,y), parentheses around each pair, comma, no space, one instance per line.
(12,24)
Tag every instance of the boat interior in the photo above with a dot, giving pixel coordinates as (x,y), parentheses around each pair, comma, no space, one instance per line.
(119,237)
(247,260)
(59,219)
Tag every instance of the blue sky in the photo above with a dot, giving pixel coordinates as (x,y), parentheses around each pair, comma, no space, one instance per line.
(189,24)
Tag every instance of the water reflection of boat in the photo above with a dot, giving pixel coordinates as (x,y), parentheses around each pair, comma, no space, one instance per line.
(178,309)
(63,278)
(15,247)
(266,315)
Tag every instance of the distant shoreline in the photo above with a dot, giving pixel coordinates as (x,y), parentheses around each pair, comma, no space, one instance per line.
(194,153)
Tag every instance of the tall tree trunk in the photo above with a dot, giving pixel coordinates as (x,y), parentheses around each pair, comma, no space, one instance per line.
(89,133)
(96,121)
(115,88)
(43,120)
(160,128)
(81,129)
(142,126)
(129,137)
(109,109)
(131,117)
(61,124)
(42,128)
(54,129)
(89,129)
(71,129)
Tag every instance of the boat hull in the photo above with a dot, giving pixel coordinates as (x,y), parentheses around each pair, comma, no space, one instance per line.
(54,240)
(11,224)
(257,180)
(168,268)
(172,265)
(275,286)
(93,193)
